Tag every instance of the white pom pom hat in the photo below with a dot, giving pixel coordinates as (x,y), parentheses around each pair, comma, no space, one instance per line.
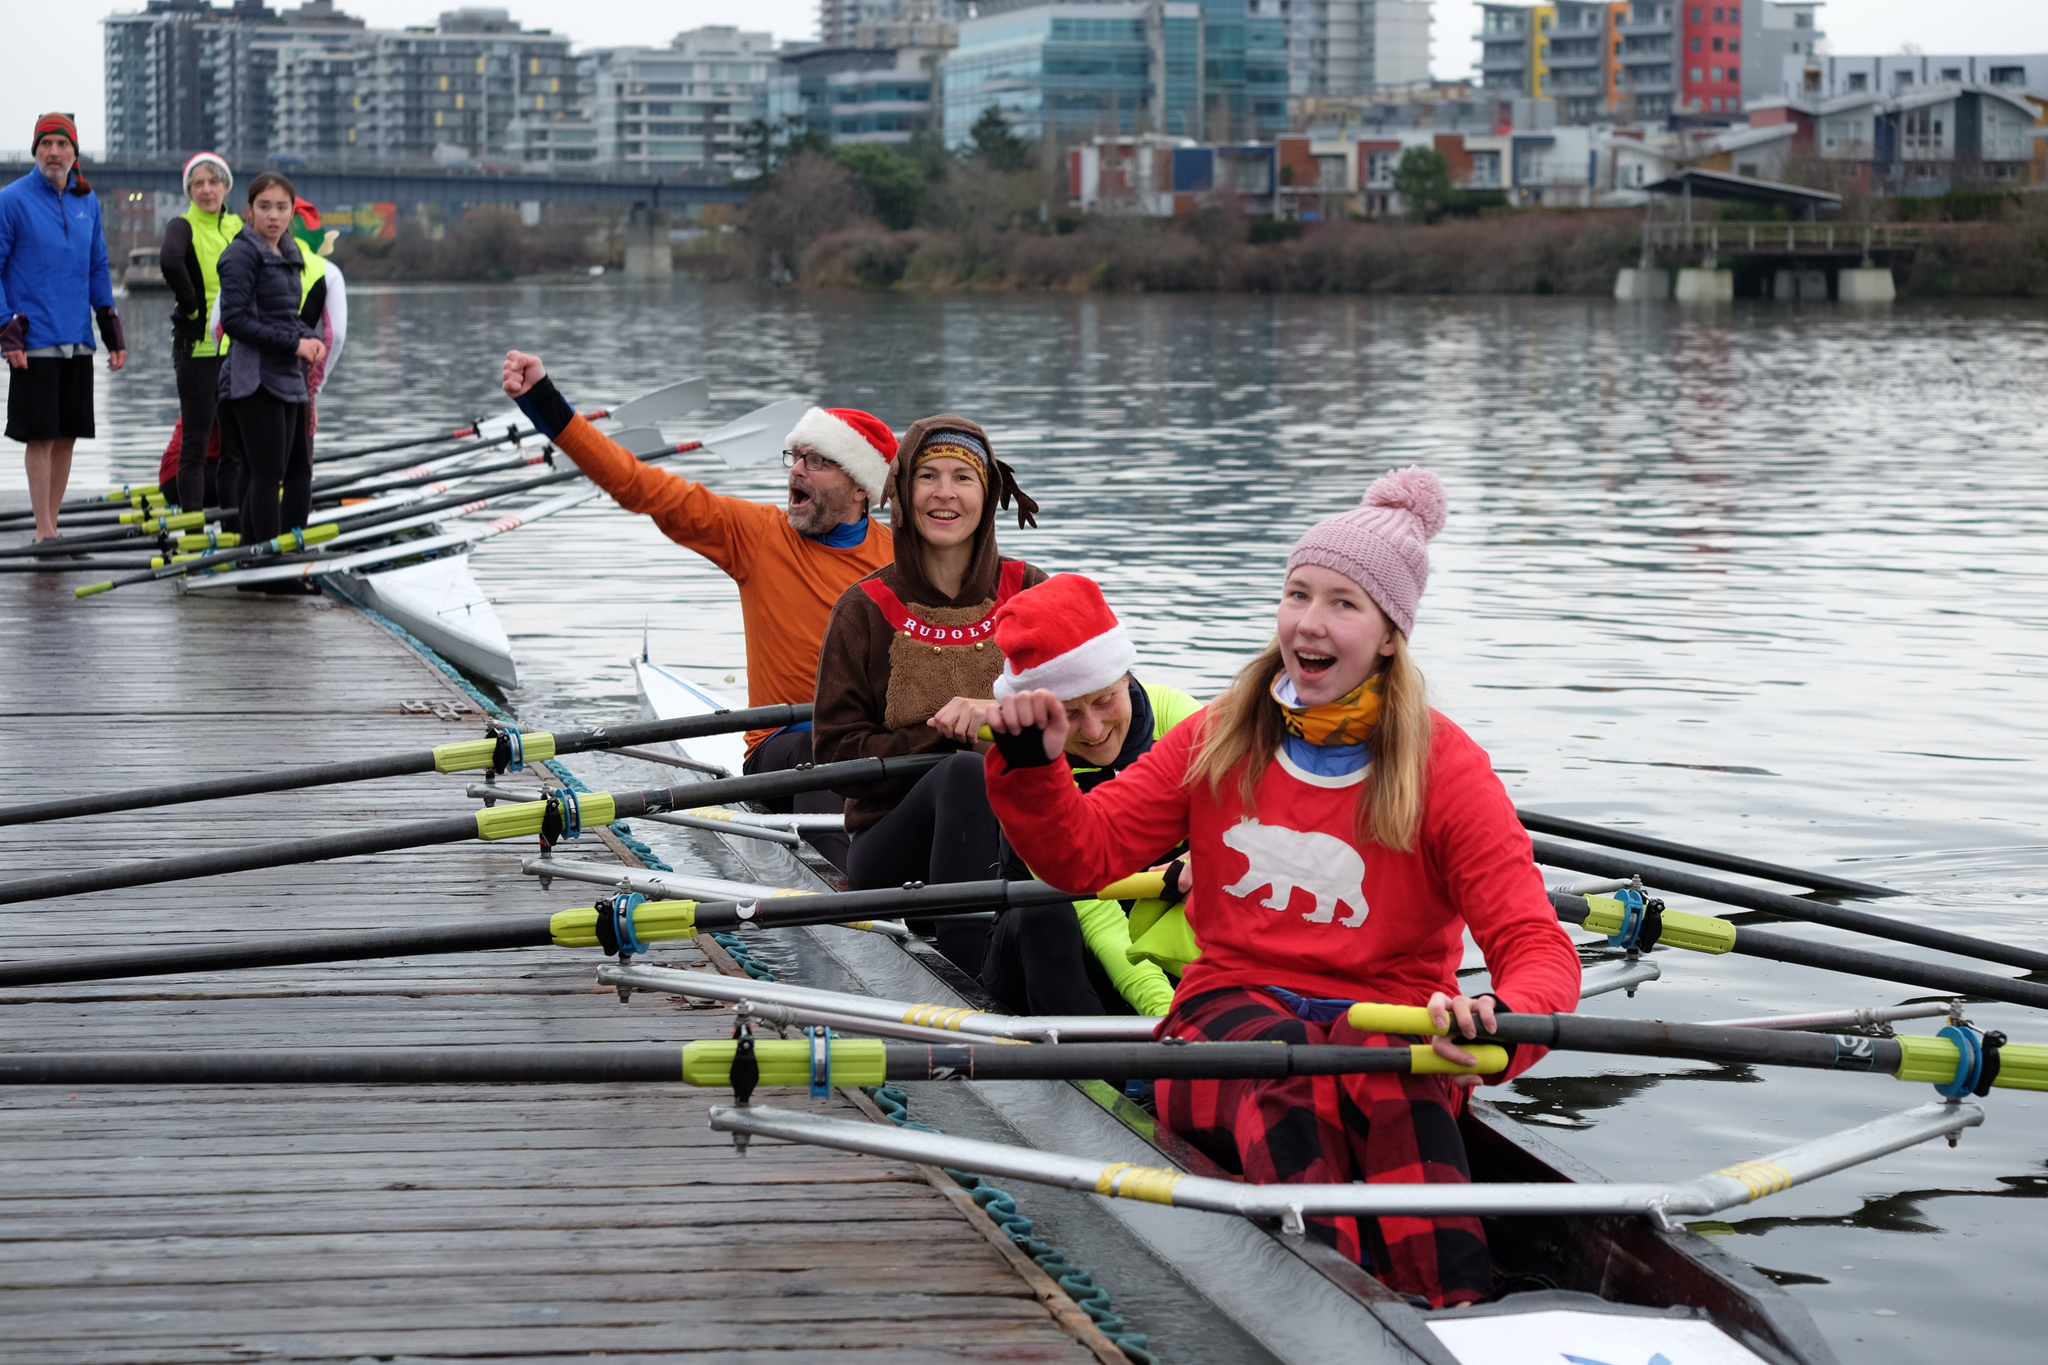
(1062,636)
(214,162)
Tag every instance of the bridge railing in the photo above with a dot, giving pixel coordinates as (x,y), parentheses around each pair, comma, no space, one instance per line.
(1812,239)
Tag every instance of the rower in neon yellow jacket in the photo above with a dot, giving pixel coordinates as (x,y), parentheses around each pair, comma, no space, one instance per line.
(1049,959)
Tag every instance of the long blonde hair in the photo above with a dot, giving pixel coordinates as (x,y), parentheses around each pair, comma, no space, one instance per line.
(1245,733)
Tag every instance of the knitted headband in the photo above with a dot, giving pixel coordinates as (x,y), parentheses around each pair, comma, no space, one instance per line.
(955,445)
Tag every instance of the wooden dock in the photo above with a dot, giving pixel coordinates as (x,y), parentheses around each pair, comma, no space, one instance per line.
(152,1225)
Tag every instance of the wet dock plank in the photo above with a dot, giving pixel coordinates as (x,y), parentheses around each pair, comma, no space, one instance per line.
(159,1225)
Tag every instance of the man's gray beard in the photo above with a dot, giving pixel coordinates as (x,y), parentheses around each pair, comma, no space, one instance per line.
(820,517)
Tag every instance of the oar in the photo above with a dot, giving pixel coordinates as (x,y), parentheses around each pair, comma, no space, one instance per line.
(1706,934)
(709,1062)
(663,404)
(506,750)
(475,428)
(1540,823)
(84,564)
(1946,1060)
(626,919)
(564,813)
(1790,907)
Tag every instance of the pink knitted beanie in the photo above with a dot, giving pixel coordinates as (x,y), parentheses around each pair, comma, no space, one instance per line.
(1382,545)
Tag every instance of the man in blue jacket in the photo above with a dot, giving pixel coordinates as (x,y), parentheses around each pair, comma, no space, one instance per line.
(53,280)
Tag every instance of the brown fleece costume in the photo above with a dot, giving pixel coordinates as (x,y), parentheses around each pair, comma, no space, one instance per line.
(878,685)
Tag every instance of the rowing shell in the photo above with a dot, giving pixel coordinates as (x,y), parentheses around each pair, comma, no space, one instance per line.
(1627,1291)
(440,603)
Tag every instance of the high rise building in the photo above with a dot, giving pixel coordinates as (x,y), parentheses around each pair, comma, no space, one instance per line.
(313,82)
(1704,62)
(1568,51)
(1070,72)
(185,75)
(660,109)
(1348,47)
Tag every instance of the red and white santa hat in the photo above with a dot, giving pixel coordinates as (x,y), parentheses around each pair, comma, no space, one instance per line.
(1062,636)
(858,442)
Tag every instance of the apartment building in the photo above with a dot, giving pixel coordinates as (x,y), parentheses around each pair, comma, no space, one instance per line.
(1924,139)
(1347,47)
(1568,51)
(182,75)
(1812,76)
(859,94)
(664,109)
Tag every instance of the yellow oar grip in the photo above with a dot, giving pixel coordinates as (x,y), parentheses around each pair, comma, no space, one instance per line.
(90,589)
(2021,1066)
(516,821)
(652,921)
(1697,933)
(855,1061)
(464,754)
(1490,1058)
(1140,886)
(1374,1018)
(1127,1180)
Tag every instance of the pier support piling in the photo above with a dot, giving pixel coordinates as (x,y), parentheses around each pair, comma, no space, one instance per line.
(1866,284)
(1642,282)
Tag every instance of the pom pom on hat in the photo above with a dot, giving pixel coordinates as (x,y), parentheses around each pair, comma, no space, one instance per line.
(1061,635)
(1382,545)
(214,162)
(858,442)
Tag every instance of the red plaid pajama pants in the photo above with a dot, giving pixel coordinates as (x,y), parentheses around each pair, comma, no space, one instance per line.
(1383,1129)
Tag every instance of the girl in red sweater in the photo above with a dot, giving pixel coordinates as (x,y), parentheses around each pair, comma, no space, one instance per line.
(1343,837)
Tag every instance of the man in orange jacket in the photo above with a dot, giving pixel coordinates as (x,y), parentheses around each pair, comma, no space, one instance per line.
(791,563)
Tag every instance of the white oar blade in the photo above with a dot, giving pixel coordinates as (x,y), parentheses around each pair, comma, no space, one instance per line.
(643,441)
(757,437)
(677,400)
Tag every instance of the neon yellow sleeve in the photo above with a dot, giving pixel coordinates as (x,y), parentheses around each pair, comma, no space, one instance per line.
(1107,932)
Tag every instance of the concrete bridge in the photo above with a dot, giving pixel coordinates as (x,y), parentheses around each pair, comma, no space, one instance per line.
(324,184)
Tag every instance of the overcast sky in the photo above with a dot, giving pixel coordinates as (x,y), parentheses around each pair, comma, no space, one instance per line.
(57,44)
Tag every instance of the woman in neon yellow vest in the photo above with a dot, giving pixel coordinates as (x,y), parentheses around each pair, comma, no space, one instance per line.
(193,242)
(1078,958)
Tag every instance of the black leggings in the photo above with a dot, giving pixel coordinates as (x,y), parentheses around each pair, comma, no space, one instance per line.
(781,751)
(198,397)
(942,831)
(265,438)
(1038,963)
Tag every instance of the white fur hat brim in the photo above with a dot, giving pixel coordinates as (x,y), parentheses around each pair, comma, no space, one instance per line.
(1087,667)
(845,447)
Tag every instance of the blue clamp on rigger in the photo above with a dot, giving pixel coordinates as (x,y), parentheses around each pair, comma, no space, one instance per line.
(1632,907)
(628,941)
(299,536)
(1969,1061)
(821,1063)
(516,747)
(572,813)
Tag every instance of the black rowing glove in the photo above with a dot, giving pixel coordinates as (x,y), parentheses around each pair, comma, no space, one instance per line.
(1026,750)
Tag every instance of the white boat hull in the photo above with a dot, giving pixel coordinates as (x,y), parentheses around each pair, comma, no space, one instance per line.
(440,603)
(667,695)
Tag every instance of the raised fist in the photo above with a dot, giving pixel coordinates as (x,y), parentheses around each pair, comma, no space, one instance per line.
(522,372)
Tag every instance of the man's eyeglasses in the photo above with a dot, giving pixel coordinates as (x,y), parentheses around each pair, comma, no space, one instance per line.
(811,459)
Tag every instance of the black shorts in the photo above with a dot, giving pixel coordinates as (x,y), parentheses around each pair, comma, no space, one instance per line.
(52,398)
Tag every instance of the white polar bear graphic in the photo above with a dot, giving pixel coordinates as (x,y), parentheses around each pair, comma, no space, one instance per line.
(1288,859)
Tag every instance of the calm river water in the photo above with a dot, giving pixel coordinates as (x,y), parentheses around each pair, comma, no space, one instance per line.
(1765,579)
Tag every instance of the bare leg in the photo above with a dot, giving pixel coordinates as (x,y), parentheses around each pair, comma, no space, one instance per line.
(49,472)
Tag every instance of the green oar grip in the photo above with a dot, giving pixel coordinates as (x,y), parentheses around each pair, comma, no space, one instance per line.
(1489,1058)
(184,521)
(465,754)
(513,822)
(1699,933)
(89,589)
(226,540)
(312,535)
(1376,1018)
(652,920)
(2021,1066)
(855,1061)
